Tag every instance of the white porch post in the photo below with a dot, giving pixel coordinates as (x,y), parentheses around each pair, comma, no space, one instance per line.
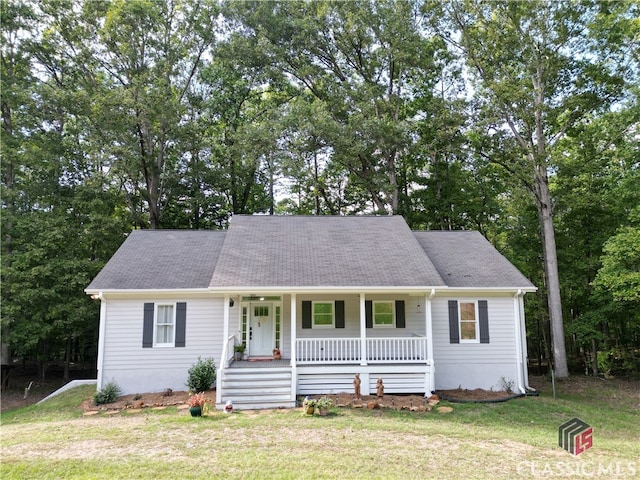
(363,331)
(293,322)
(102,329)
(431,380)
(225,337)
(225,327)
(294,315)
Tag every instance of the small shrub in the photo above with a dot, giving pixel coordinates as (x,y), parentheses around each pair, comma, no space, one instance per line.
(507,385)
(108,394)
(201,375)
(137,396)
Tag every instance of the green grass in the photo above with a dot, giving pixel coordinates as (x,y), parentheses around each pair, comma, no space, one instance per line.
(516,439)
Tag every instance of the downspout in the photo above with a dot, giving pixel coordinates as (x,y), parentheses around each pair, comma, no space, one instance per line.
(518,330)
(523,340)
(101,334)
(432,372)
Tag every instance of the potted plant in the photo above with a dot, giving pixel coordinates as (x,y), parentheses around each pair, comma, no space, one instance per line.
(276,354)
(323,405)
(196,402)
(309,406)
(239,351)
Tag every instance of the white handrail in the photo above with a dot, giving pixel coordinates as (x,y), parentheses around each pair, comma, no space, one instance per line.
(224,364)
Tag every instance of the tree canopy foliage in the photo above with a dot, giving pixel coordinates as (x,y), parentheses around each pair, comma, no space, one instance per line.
(517,119)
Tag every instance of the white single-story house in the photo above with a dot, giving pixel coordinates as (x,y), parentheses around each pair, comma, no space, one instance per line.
(423,310)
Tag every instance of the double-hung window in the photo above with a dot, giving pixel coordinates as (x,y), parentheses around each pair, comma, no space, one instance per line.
(323,315)
(383,314)
(165,325)
(468,322)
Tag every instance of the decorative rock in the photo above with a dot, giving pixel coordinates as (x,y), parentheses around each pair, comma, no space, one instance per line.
(184,406)
(111,412)
(160,407)
(90,412)
(445,409)
(373,405)
(138,404)
(134,410)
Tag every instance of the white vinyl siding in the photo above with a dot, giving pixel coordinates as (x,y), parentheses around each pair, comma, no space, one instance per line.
(415,318)
(474,364)
(136,369)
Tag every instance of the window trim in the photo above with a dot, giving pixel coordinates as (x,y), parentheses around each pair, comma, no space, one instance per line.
(393,314)
(476,322)
(172,343)
(313,313)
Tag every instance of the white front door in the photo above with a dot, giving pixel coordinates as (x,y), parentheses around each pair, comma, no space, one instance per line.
(261,329)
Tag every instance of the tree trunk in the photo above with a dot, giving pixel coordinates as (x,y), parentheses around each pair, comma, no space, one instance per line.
(67,360)
(543,201)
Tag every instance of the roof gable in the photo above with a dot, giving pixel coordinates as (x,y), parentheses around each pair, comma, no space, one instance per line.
(323,251)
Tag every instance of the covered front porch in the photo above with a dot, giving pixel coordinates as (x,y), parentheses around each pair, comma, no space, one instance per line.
(324,356)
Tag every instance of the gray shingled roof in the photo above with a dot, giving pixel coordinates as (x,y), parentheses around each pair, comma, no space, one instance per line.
(307,251)
(162,259)
(467,259)
(328,251)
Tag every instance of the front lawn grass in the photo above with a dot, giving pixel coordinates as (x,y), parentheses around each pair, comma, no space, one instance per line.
(516,439)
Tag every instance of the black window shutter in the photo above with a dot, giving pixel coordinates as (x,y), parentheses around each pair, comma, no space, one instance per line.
(483,312)
(454,331)
(368,313)
(400,319)
(147,326)
(181,323)
(306,314)
(339,313)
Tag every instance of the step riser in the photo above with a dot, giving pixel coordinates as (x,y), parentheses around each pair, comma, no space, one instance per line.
(252,390)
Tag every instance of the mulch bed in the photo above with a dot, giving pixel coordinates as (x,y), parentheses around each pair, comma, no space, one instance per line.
(344,400)
(478,395)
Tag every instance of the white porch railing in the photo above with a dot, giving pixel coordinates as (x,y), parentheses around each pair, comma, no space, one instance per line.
(396,350)
(328,350)
(347,350)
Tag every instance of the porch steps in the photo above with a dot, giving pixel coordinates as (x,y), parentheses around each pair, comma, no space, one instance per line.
(257,388)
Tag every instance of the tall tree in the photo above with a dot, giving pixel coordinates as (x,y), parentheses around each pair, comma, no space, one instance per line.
(361,60)
(535,75)
(145,58)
